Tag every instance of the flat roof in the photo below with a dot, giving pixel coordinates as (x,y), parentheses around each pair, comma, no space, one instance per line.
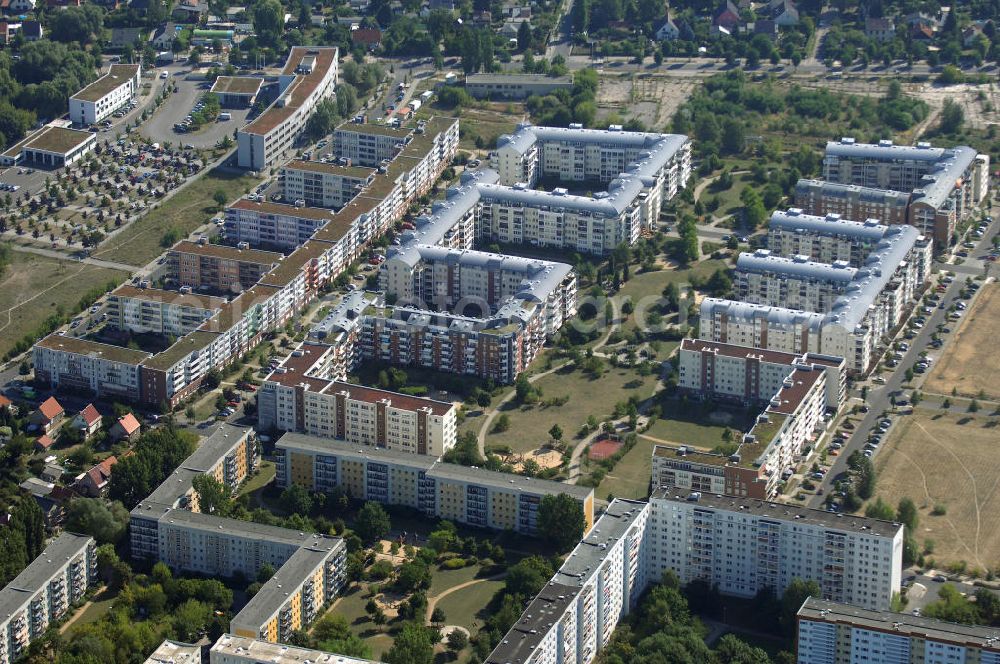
(585,559)
(374,129)
(279,653)
(298,90)
(490,79)
(268,207)
(786,512)
(234,310)
(237,85)
(39,571)
(177,299)
(279,588)
(235,527)
(901,624)
(534,624)
(175,652)
(397,400)
(358,172)
(69,344)
(117,75)
(213,448)
(184,346)
(794,390)
(58,140)
(226,252)
(732,350)
(287,271)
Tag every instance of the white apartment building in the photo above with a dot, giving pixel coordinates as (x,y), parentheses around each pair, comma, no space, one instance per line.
(837,633)
(795,283)
(572,619)
(744,545)
(309,76)
(67,362)
(106,95)
(320,184)
(823,239)
(175,652)
(369,145)
(230,649)
(44,591)
(155,311)
(300,395)
(273,225)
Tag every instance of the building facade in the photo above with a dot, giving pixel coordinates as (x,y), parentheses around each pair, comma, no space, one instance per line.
(320,184)
(106,95)
(155,311)
(514,86)
(220,268)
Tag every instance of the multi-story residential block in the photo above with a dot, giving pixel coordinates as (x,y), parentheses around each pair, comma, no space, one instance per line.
(155,311)
(301,396)
(66,362)
(795,283)
(309,76)
(293,598)
(44,591)
(175,652)
(572,619)
(230,649)
(106,95)
(218,267)
(944,184)
(837,633)
(824,239)
(369,145)
(261,223)
(320,184)
(473,496)
(743,545)
(873,303)
(514,86)
(851,201)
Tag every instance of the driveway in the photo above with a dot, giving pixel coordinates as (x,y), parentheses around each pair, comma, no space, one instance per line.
(160,127)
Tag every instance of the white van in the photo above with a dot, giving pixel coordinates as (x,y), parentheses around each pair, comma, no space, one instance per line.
(223,117)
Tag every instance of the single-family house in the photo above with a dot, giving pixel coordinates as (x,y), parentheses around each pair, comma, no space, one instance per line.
(122,37)
(44,443)
(727,16)
(370,38)
(164,36)
(94,482)
(510,29)
(190,11)
(48,417)
(764,26)
(88,421)
(483,19)
(668,31)
(52,472)
(22,6)
(917,18)
(718,31)
(922,32)
(784,13)
(126,428)
(970,35)
(32,31)
(880,29)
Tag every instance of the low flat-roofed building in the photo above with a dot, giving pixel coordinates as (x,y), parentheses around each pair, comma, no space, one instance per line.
(50,147)
(105,95)
(237,91)
(175,652)
(514,86)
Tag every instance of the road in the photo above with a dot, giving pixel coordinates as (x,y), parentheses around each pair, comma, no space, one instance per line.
(52,253)
(878,398)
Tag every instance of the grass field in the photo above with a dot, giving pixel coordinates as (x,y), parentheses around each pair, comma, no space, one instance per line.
(35,287)
(529,424)
(352,607)
(185,211)
(466,607)
(646,287)
(261,479)
(630,477)
(947,460)
(692,425)
(963,366)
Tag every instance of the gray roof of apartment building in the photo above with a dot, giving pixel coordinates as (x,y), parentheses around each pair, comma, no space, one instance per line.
(786,512)
(584,560)
(901,624)
(883,150)
(300,566)
(493,79)
(346,313)
(776,317)
(431,466)
(236,528)
(832,224)
(527,135)
(278,653)
(39,571)
(762,261)
(938,185)
(538,618)
(865,194)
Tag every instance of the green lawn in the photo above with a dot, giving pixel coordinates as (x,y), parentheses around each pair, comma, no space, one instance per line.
(261,479)
(184,212)
(466,607)
(35,287)
(352,607)
(694,424)
(630,477)
(529,425)
(646,288)
(442,579)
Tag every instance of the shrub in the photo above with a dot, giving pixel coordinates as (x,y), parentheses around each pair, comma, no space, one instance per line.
(939,510)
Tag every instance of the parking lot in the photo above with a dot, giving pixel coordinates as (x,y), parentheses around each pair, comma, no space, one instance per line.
(160,127)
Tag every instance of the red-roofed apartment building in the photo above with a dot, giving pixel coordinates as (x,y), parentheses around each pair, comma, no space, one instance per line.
(49,415)
(126,428)
(88,421)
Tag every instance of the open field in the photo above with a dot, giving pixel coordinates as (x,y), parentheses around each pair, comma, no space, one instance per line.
(466,607)
(646,288)
(183,212)
(630,477)
(647,97)
(697,424)
(964,366)
(35,287)
(947,460)
(529,424)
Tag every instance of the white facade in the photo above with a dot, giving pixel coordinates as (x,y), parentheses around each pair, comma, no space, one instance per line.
(230,649)
(745,545)
(323,185)
(67,362)
(160,312)
(106,95)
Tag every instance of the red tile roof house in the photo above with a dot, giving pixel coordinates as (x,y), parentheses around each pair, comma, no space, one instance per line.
(94,482)
(126,428)
(88,421)
(44,443)
(49,415)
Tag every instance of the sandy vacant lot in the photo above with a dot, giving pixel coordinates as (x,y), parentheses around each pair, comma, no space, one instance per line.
(964,364)
(650,98)
(948,460)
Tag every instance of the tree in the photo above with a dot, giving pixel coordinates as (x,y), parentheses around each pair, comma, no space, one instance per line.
(296,499)
(457,640)
(411,646)
(413,575)
(733,138)
(105,522)
(880,510)
(190,618)
(438,616)
(333,634)
(268,17)
(526,578)
(77,24)
(372,522)
(793,598)
(213,495)
(556,432)
(952,117)
(906,514)
(220,198)
(524,36)
(561,518)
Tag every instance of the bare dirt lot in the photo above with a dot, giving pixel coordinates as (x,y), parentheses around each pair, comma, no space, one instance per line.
(948,461)
(652,99)
(964,366)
